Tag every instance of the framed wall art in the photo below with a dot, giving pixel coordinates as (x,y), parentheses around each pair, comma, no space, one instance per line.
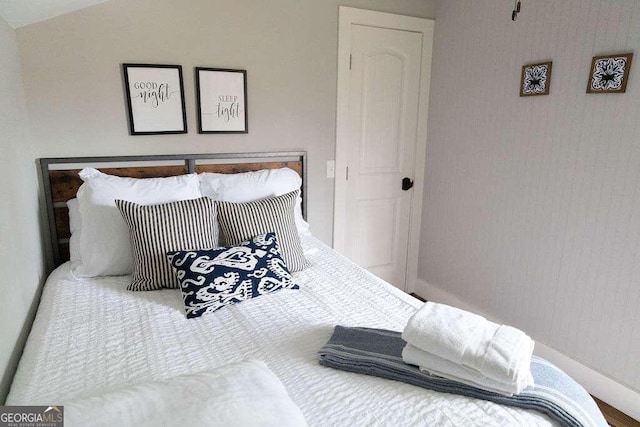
(222,100)
(155,99)
(609,73)
(536,79)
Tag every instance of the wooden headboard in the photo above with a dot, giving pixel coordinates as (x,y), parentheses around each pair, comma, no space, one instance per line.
(61,181)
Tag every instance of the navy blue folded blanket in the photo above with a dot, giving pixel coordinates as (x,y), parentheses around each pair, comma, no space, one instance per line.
(378,352)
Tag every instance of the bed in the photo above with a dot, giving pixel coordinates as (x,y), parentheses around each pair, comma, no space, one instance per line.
(92,336)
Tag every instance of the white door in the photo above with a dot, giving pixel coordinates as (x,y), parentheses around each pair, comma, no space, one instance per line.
(384,89)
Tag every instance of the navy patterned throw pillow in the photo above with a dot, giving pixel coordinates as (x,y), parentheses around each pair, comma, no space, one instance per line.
(213,278)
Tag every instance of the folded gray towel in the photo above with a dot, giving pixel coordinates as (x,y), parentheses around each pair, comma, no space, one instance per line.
(378,352)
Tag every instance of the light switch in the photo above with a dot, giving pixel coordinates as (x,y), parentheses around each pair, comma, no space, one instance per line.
(331,168)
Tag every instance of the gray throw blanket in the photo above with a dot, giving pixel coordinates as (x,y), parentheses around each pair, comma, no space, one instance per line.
(378,352)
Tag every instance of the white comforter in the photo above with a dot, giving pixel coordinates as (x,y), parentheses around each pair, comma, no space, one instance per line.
(93,336)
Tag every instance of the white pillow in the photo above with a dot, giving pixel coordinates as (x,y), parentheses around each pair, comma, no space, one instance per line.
(251,186)
(75,226)
(104,240)
(245,393)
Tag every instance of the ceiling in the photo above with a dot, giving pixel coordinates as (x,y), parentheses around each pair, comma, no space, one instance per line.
(18,13)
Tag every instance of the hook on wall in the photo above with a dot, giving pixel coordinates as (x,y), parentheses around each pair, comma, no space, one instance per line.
(516,10)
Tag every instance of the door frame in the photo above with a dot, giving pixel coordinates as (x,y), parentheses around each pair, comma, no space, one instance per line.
(347,17)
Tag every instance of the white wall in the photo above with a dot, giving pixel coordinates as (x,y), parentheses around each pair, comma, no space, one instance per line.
(532,205)
(72,75)
(21,265)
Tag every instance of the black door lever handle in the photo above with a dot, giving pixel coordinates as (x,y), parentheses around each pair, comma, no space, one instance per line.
(406,183)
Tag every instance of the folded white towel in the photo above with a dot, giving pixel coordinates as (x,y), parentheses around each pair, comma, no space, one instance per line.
(499,352)
(436,365)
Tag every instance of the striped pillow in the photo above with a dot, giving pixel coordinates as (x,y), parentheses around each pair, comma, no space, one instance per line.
(240,222)
(156,229)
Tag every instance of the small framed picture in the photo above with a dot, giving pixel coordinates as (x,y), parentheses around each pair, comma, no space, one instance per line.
(222,100)
(155,98)
(609,73)
(536,79)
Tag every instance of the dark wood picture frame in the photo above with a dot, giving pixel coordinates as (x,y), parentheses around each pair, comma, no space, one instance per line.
(157,113)
(221,87)
(604,81)
(536,79)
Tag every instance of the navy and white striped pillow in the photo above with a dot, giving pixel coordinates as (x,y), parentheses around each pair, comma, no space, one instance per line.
(240,222)
(156,229)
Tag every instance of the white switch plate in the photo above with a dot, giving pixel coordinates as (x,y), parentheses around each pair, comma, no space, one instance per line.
(331,168)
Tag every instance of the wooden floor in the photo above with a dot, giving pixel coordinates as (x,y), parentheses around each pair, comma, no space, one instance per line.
(612,415)
(418,296)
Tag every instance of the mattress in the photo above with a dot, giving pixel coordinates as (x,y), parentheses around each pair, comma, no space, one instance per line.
(91,336)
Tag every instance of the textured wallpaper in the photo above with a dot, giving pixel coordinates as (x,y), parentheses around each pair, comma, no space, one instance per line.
(532,205)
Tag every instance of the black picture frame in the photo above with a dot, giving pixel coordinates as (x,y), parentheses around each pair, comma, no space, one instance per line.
(155,99)
(221,96)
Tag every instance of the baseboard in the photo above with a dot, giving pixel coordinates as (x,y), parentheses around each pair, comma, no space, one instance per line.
(615,394)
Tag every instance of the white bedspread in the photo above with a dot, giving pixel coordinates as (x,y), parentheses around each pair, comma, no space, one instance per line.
(92,336)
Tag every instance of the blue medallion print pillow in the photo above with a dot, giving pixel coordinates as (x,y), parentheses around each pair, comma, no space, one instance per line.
(213,278)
